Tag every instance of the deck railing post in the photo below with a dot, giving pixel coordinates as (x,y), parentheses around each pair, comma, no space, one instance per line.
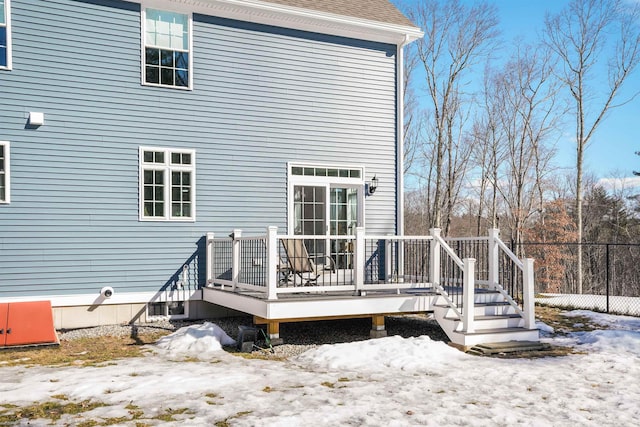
(273,260)
(210,255)
(236,251)
(528,303)
(468,296)
(494,258)
(358,270)
(388,258)
(434,262)
(400,259)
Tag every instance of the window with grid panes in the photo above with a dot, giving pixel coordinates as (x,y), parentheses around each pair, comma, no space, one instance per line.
(167,187)
(5,59)
(4,172)
(166,48)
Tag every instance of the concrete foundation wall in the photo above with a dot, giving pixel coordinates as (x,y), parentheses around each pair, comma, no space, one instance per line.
(90,316)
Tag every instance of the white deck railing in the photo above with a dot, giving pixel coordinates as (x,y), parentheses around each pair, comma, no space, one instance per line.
(364,263)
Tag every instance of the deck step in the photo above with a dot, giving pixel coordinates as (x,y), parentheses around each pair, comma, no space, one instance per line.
(495,331)
(507,347)
(488,317)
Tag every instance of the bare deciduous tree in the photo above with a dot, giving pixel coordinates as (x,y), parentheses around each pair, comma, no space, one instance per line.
(586,35)
(456,37)
(412,115)
(527,114)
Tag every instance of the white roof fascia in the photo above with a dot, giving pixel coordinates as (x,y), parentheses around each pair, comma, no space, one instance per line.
(262,12)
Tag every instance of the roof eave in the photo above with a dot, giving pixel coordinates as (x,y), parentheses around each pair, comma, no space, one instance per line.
(263,12)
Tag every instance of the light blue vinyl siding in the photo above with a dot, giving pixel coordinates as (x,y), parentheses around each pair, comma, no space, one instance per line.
(262,97)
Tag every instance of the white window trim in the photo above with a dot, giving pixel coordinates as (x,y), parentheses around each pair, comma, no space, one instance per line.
(326,181)
(169,7)
(7,172)
(168,168)
(7,13)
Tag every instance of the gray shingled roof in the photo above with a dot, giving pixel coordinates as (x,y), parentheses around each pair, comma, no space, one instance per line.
(374,10)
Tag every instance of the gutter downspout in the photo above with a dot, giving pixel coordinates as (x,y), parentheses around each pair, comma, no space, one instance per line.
(400,135)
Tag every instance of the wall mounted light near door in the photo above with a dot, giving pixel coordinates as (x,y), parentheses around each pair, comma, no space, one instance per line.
(373,185)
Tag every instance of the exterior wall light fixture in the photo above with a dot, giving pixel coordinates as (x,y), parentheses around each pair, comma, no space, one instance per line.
(373,185)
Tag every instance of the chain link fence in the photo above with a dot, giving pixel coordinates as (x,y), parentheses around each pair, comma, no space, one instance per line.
(611,275)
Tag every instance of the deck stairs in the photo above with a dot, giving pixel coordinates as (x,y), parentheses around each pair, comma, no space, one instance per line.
(495,320)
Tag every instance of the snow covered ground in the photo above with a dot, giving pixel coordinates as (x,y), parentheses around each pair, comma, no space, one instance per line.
(391,381)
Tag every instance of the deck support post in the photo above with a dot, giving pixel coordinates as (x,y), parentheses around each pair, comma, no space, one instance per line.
(494,258)
(377,326)
(359,261)
(528,296)
(236,251)
(273,260)
(210,255)
(434,261)
(468,296)
(273,330)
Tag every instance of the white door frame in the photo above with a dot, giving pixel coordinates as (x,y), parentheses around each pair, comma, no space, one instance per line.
(328,182)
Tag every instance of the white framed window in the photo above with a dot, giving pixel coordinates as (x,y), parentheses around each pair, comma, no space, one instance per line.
(5,176)
(166,48)
(167,184)
(5,35)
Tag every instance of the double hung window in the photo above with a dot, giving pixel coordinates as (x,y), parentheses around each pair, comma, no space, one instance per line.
(167,48)
(167,184)
(4,173)
(5,35)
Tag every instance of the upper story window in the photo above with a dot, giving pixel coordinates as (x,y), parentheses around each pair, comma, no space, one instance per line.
(4,172)
(5,35)
(167,48)
(167,184)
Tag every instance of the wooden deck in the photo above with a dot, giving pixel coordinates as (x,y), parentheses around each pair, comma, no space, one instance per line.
(327,305)
(386,275)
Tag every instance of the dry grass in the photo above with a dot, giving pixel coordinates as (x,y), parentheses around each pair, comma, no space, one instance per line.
(81,352)
(563,325)
(51,410)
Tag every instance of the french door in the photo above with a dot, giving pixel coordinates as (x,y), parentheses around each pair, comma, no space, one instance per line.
(329,211)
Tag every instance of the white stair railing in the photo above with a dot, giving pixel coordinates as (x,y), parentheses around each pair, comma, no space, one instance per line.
(527,309)
(466,301)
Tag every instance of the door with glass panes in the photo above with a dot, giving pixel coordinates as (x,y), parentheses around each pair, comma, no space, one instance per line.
(329,210)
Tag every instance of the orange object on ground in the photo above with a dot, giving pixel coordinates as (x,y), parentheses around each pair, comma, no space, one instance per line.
(26,323)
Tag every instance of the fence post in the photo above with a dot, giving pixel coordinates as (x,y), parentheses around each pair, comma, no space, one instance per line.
(388,257)
(494,258)
(358,268)
(236,251)
(528,296)
(607,279)
(434,262)
(468,294)
(273,261)
(210,255)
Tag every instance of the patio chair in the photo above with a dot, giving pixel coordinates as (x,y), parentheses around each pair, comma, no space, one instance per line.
(303,265)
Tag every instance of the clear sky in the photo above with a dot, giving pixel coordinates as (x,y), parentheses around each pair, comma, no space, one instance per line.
(611,151)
